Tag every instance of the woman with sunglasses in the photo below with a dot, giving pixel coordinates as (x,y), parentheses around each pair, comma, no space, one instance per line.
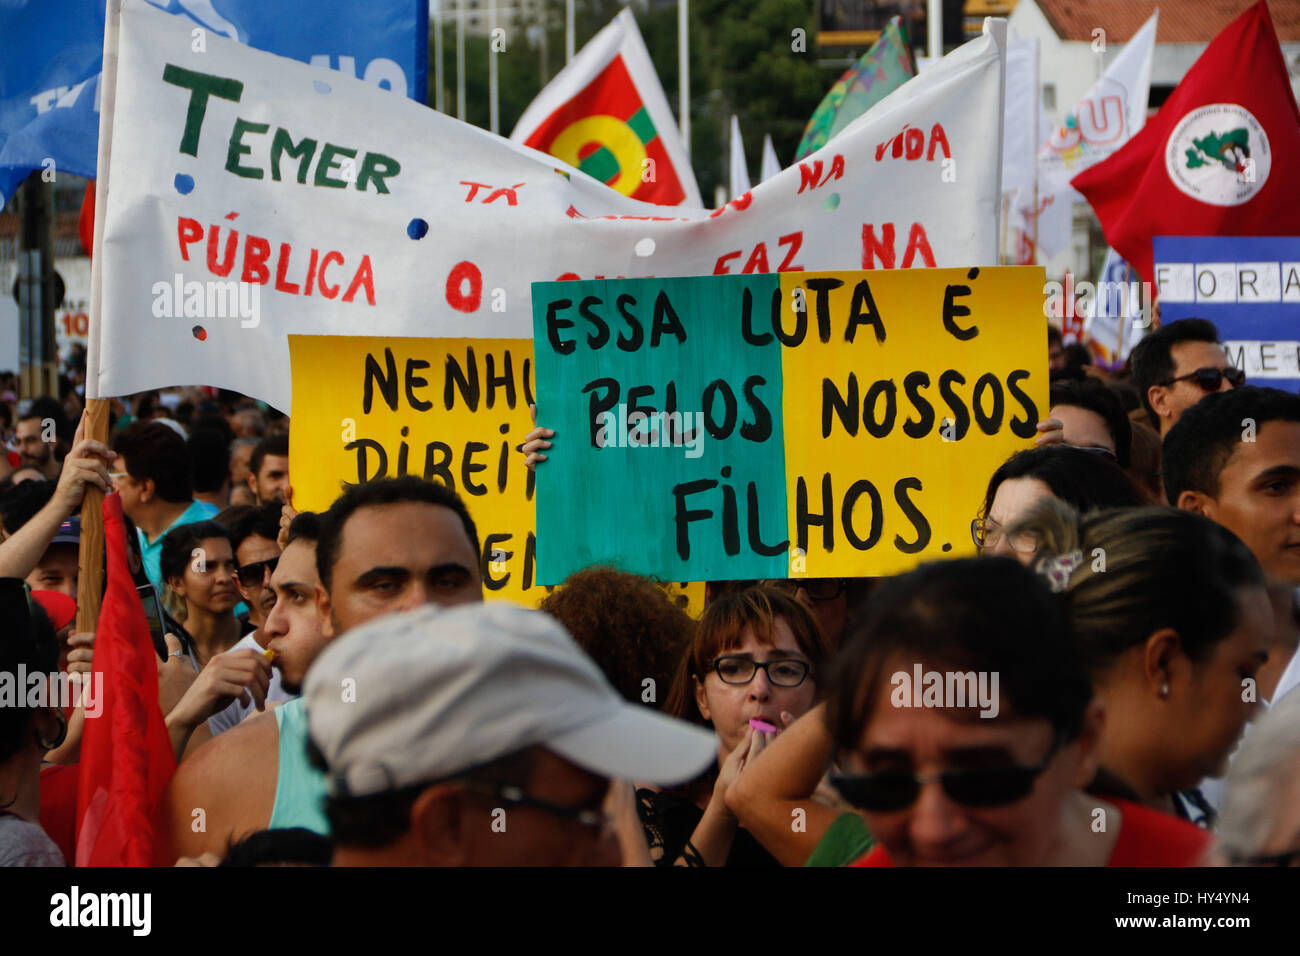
(1173,618)
(1080,478)
(753,667)
(946,777)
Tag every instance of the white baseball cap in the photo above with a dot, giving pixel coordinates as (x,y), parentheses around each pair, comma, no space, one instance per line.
(427,694)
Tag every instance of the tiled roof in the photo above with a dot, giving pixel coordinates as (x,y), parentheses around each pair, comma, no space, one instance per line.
(1181,21)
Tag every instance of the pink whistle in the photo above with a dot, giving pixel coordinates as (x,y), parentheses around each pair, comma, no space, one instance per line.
(762,726)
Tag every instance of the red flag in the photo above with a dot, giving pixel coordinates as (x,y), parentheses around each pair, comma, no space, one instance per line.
(1220,158)
(86,221)
(126,755)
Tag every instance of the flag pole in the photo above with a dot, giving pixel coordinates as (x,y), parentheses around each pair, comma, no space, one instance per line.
(460,60)
(439,95)
(91,550)
(684,73)
(934,29)
(568,30)
(493,110)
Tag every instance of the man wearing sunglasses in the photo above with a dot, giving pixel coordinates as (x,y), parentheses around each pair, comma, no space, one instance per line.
(482,735)
(255,530)
(1179,364)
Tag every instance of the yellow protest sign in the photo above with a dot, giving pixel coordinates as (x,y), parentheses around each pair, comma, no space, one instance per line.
(449,410)
(890,440)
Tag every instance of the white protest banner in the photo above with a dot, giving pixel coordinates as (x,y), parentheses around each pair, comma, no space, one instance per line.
(251,199)
(1113,109)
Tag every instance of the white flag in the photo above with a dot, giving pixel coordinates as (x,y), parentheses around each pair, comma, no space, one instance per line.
(1020,138)
(739,169)
(249,197)
(1112,110)
(606,113)
(771,165)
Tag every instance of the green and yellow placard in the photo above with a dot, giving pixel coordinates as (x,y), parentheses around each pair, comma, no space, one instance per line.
(799,424)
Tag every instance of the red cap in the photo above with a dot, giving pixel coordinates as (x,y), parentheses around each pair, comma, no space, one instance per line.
(58,607)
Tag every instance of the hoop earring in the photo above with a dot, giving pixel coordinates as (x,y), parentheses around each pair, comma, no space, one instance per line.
(59,738)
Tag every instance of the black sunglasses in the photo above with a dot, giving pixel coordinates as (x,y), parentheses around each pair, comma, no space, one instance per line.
(253,574)
(1211,378)
(889,791)
(595,820)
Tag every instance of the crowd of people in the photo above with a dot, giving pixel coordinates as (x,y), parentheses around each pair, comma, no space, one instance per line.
(1108,683)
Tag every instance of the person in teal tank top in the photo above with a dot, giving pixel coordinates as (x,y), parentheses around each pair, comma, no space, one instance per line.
(300,787)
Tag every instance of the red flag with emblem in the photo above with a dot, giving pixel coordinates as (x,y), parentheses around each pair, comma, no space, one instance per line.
(1220,158)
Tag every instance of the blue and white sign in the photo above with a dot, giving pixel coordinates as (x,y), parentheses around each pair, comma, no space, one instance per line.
(53,53)
(1248,286)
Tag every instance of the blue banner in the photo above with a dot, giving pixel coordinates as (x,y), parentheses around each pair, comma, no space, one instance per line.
(1249,287)
(53,53)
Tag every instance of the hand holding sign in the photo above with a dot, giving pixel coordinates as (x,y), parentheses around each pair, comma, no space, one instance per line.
(535,440)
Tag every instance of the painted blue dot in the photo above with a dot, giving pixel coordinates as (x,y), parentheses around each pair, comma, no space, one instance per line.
(184,183)
(417,229)
(321,86)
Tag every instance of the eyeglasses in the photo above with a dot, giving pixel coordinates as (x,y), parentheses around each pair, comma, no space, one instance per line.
(739,669)
(255,573)
(515,796)
(892,790)
(986,533)
(1211,378)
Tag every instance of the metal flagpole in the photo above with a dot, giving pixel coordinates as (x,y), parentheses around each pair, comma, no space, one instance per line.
(934,29)
(568,30)
(460,59)
(492,67)
(439,94)
(684,73)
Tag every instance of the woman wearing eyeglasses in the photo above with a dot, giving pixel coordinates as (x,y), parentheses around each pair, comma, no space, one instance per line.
(985,763)
(1076,476)
(753,667)
(1171,612)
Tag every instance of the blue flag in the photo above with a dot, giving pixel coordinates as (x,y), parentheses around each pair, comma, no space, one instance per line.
(53,53)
